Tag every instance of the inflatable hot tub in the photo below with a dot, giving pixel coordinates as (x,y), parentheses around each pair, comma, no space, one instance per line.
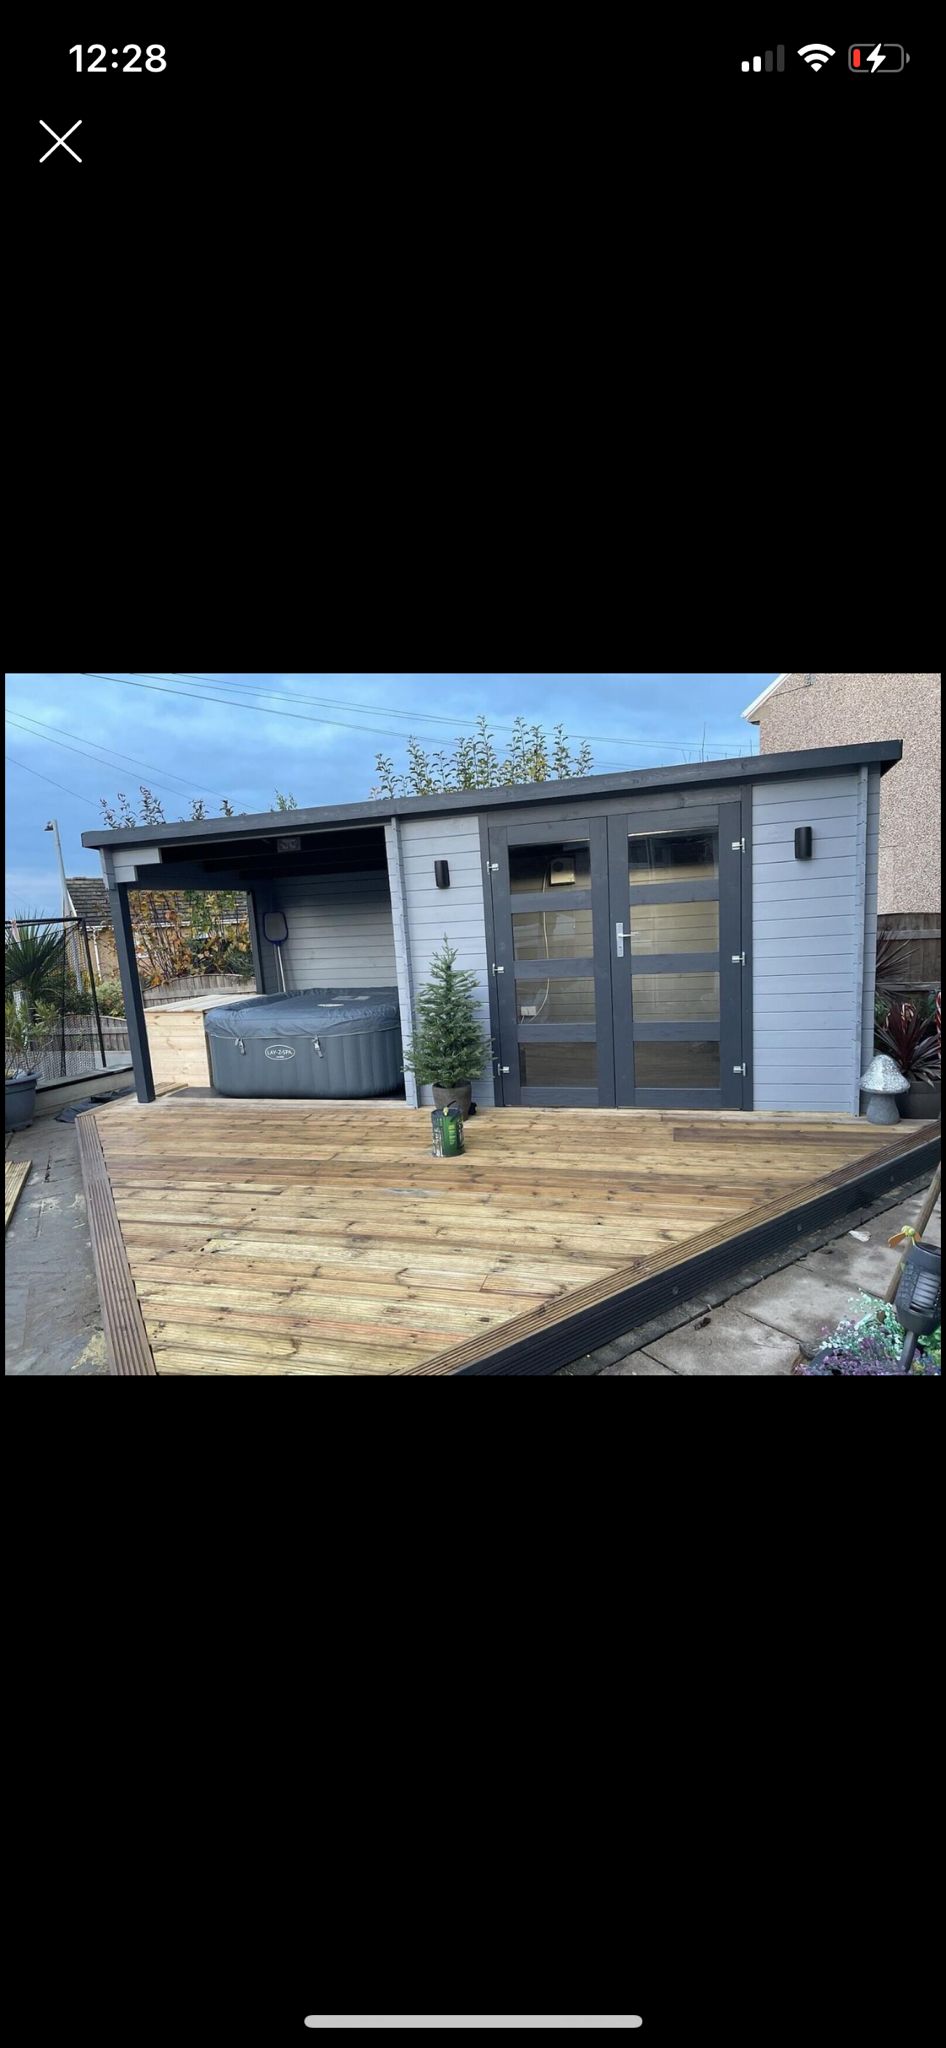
(318,1042)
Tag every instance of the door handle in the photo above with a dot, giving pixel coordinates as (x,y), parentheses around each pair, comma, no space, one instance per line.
(619,937)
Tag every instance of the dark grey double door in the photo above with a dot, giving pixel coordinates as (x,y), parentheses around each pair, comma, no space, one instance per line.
(619,961)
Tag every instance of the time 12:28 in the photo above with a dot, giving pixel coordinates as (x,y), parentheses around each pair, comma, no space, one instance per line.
(155,59)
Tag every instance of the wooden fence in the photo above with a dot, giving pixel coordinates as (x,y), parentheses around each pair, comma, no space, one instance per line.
(114,1031)
(199,985)
(77,1053)
(920,932)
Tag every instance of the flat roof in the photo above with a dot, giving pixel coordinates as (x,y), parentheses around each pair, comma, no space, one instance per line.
(744,768)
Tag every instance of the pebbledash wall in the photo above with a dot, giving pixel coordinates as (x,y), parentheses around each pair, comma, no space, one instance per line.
(831,710)
(814,927)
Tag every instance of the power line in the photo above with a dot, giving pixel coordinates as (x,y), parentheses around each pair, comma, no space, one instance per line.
(200,696)
(48,778)
(89,757)
(390,711)
(200,787)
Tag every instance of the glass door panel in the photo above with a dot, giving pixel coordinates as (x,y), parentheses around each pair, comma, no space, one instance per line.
(677,1063)
(676,884)
(671,857)
(552,934)
(674,927)
(550,868)
(552,972)
(669,998)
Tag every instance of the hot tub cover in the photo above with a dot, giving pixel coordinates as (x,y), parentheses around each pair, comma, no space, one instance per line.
(305,1013)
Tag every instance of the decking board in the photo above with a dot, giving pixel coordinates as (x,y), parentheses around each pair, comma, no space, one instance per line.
(300,1238)
(14,1180)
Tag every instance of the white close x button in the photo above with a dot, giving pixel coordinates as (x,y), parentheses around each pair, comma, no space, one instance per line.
(60,141)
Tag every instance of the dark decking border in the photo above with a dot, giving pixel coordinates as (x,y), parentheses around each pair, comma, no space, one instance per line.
(539,1351)
(125,1333)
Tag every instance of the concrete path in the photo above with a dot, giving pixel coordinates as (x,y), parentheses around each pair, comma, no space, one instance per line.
(765,1328)
(53,1321)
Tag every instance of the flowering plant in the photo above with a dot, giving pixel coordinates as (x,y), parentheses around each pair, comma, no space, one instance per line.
(867,1344)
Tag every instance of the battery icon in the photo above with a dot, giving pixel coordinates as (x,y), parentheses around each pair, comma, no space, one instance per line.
(877,58)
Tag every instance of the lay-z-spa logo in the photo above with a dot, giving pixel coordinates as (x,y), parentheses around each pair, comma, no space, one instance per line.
(280,1052)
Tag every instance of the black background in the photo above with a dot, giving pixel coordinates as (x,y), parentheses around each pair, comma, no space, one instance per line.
(343,284)
(286,131)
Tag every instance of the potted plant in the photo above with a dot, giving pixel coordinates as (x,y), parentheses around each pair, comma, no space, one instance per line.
(25,1039)
(909,1037)
(449,1047)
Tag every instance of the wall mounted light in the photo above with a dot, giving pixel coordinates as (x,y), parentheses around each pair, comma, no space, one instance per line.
(442,874)
(803,842)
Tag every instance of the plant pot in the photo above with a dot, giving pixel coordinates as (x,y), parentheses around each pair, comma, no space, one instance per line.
(21,1102)
(460,1094)
(921,1104)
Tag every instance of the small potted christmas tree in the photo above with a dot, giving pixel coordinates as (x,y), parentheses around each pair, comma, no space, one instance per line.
(449,1047)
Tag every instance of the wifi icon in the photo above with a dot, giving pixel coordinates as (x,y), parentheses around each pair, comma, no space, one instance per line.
(816,54)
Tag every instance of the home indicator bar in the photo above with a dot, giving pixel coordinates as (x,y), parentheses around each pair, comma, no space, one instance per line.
(631,2020)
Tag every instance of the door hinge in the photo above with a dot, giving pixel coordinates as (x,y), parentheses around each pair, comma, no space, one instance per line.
(498,970)
(739,846)
(500,1069)
(738,959)
(492,867)
(740,1070)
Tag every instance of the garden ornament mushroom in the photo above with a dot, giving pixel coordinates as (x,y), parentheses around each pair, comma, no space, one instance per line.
(881,1081)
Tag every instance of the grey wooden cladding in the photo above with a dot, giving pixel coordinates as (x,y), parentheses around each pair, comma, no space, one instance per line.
(341,932)
(457,912)
(808,942)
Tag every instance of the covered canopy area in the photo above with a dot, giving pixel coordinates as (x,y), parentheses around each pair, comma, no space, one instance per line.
(271,861)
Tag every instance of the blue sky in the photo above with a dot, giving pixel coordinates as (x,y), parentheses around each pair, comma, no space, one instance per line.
(66,734)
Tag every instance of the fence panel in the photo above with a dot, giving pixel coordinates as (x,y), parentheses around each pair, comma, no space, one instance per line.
(48,968)
(920,934)
(199,985)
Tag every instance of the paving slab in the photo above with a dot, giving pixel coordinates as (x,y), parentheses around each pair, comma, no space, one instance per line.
(856,1268)
(639,1365)
(53,1319)
(799,1302)
(724,1342)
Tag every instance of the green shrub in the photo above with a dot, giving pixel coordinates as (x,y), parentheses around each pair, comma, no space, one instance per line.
(109,996)
(238,959)
(449,1045)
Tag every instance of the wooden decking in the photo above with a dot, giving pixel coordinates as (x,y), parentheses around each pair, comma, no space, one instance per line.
(14,1180)
(264,1237)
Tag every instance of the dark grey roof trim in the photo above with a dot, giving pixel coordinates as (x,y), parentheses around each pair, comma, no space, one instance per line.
(749,768)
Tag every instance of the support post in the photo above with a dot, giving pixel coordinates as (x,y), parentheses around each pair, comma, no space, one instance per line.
(255,947)
(95,1001)
(131,989)
(402,948)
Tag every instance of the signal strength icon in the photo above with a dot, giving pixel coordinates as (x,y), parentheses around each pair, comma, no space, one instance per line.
(756,64)
(816,55)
